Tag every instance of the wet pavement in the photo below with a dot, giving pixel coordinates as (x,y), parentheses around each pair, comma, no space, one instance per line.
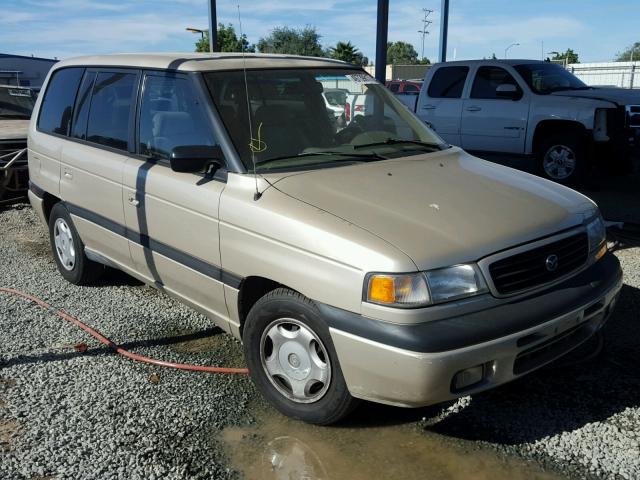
(278,448)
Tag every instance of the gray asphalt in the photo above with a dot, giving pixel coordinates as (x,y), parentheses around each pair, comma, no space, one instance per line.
(65,414)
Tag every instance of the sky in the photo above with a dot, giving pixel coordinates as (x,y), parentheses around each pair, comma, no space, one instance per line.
(596,29)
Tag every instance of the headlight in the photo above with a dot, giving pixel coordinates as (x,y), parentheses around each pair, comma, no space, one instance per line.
(455,282)
(597,233)
(425,288)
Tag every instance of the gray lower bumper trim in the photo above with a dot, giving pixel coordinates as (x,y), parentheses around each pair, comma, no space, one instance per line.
(459,331)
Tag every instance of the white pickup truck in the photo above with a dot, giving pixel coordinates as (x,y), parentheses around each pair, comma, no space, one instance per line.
(535,109)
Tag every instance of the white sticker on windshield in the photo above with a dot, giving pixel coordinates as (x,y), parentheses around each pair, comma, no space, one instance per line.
(362,78)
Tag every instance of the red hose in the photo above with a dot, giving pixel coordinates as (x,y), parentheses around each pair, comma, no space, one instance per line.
(133,356)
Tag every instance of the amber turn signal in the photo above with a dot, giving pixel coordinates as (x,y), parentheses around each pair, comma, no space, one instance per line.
(382,289)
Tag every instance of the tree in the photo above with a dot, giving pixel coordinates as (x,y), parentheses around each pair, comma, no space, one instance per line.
(401,53)
(631,53)
(567,57)
(228,41)
(347,52)
(305,41)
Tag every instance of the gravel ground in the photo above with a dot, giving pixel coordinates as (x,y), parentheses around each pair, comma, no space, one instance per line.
(95,415)
(65,414)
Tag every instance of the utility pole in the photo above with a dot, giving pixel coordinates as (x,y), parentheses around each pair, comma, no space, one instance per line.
(381,40)
(425,25)
(444,30)
(213,26)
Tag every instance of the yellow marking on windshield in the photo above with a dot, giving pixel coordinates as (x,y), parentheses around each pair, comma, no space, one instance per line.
(257,145)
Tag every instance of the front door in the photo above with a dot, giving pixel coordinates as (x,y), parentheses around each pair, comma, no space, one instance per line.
(489,122)
(171,217)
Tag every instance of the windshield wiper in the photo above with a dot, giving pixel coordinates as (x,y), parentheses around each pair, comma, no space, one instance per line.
(395,141)
(327,154)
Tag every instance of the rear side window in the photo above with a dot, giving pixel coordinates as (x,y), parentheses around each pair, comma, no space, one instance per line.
(488,79)
(110,109)
(448,82)
(394,87)
(171,115)
(81,113)
(57,105)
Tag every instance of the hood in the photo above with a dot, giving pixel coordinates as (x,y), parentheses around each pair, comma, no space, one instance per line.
(442,208)
(619,96)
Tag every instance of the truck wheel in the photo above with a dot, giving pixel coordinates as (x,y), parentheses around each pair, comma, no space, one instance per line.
(68,249)
(292,359)
(562,158)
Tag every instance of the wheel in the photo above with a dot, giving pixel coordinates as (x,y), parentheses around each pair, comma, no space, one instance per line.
(68,249)
(292,360)
(562,158)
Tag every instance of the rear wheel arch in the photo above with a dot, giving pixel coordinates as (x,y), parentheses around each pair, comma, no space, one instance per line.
(48,202)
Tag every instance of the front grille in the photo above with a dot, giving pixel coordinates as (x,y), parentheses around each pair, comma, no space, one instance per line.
(529,269)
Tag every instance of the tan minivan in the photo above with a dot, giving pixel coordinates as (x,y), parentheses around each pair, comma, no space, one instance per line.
(359,259)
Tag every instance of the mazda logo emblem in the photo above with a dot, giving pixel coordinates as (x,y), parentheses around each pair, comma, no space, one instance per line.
(551,262)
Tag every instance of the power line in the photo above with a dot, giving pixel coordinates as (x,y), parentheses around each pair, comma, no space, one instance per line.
(425,25)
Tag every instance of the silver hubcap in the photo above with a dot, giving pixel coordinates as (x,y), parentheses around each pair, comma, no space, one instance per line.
(559,162)
(63,241)
(295,360)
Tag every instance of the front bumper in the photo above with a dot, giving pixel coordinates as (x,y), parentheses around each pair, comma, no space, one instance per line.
(414,365)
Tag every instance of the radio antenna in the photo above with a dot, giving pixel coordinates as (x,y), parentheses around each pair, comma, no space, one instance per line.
(257,195)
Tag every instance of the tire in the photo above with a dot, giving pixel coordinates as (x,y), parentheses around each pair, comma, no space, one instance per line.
(562,158)
(321,396)
(68,249)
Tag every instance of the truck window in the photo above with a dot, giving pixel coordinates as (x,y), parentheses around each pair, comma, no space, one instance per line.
(409,88)
(110,110)
(171,116)
(394,87)
(57,105)
(488,79)
(448,82)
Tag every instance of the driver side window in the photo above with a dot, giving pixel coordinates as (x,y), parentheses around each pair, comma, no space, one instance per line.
(171,115)
(488,79)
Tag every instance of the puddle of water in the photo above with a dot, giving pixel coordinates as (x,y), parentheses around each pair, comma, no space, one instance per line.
(278,448)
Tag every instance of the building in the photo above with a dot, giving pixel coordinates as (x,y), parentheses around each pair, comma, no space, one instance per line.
(24,71)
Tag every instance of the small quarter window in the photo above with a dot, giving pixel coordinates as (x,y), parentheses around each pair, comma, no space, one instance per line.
(57,105)
(448,82)
(110,110)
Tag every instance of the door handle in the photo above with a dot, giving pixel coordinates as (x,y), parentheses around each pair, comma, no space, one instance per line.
(429,107)
(473,108)
(133,201)
(68,174)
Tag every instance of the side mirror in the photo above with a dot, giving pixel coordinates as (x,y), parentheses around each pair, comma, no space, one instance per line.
(194,158)
(507,90)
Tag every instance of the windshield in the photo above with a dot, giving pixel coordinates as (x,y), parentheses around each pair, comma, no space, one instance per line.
(545,78)
(289,123)
(16,102)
